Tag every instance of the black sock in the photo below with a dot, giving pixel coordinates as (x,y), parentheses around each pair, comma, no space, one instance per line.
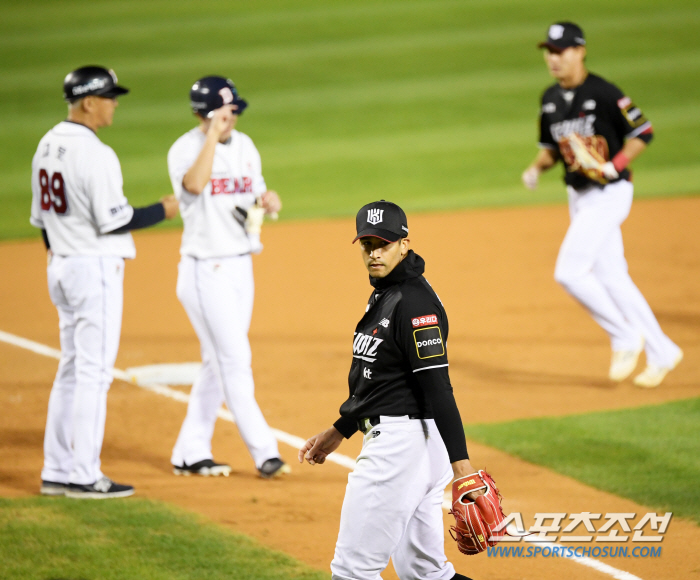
(460,577)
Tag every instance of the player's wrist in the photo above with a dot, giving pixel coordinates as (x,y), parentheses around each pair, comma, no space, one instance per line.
(620,161)
(462,468)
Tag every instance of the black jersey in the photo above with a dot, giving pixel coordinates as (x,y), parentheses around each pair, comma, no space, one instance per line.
(399,364)
(600,114)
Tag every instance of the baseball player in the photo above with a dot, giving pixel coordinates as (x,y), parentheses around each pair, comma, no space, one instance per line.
(596,131)
(78,202)
(402,401)
(216,175)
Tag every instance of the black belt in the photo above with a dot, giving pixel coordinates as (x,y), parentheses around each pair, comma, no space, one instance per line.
(367,423)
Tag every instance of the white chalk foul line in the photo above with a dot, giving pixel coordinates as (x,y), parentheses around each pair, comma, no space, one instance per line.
(287,438)
(586,561)
(166,391)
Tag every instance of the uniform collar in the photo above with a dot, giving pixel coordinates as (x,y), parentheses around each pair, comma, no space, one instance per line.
(76,125)
(411,266)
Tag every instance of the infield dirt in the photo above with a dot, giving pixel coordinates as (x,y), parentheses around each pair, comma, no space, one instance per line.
(519,347)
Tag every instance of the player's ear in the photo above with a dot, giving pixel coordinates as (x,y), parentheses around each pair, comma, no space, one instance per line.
(405,243)
(87,104)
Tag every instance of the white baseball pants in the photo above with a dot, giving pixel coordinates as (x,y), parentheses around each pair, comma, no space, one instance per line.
(393,505)
(88,294)
(591,266)
(217,294)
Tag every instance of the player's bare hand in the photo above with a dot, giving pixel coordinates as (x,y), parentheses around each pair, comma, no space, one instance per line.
(271,202)
(221,120)
(530,177)
(170,205)
(320,446)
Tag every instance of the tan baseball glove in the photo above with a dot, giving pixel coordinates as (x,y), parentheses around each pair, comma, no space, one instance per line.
(592,163)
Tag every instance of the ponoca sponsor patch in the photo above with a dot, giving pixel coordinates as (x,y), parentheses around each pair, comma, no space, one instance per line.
(429,342)
(429,320)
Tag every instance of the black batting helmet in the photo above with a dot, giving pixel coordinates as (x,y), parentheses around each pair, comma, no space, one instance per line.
(211,93)
(91,80)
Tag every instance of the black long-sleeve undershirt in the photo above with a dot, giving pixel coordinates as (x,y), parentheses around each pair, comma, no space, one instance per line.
(143,217)
(436,387)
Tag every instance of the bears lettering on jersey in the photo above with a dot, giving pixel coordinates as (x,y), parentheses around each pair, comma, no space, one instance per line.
(231,185)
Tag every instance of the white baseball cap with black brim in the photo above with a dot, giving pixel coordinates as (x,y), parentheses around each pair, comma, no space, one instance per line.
(563,35)
(381,219)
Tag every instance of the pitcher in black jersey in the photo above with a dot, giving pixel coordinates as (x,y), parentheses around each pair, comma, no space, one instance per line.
(582,108)
(402,401)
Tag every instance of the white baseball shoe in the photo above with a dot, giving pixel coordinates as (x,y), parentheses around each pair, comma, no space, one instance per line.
(623,362)
(652,375)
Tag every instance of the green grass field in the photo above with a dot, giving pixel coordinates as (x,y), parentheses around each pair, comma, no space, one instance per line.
(649,454)
(429,103)
(43,538)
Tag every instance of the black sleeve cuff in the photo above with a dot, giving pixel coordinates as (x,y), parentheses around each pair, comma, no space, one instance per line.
(646,137)
(346,426)
(45,236)
(143,217)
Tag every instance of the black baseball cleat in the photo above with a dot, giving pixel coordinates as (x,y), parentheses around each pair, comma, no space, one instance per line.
(104,488)
(53,488)
(206,467)
(274,467)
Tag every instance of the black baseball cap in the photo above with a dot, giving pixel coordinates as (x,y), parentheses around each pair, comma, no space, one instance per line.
(91,80)
(562,35)
(381,219)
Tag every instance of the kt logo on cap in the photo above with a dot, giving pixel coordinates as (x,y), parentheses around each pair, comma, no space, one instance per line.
(374,216)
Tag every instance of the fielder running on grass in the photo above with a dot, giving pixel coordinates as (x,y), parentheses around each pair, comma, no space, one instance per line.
(596,130)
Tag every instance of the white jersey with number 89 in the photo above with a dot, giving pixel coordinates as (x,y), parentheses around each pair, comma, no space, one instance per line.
(77,194)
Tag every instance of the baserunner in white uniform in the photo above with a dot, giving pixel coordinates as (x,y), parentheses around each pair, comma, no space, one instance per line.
(78,202)
(217,177)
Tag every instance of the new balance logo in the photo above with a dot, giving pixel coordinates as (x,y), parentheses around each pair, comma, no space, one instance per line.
(103,485)
(374,216)
(384,322)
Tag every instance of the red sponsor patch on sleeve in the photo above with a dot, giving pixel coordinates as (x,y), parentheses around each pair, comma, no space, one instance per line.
(624,102)
(428,320)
